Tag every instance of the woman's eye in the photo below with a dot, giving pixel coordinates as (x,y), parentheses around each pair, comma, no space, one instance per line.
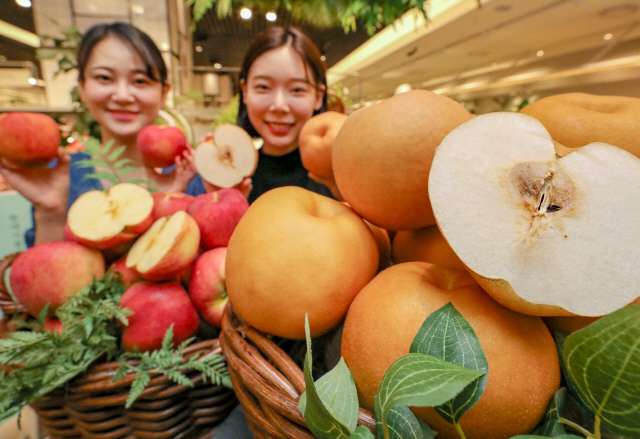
(102,78)
(141,81)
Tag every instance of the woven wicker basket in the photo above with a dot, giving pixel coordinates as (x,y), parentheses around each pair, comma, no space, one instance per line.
(267,382)
(91,406)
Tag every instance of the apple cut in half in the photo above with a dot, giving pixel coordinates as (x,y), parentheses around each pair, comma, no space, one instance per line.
(166,249)
(542,234)
(100,219)
(226,159)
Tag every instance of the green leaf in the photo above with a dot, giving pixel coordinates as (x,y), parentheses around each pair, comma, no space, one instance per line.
(552,426)
(337,390)
(604,361)
(319,419)
(573,389)
(362,432)
(402,423)
(103,176)
(139,383)
(421,380)
(113,155)
(446,335)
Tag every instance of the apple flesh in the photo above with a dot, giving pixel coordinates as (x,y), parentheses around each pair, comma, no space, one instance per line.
(226,159)
(102,219)
(543,234)
(28,139)
(166,249)
(217,214)
(52,272)
(168,203)
(160,145)
(207,289)
(157,306)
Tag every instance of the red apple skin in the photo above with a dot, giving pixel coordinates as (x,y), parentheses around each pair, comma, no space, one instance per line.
(157,306)
(207,289)
(52,272)
(28,139)
(160,145)
(128,275)
(217,214)
(102,244)
(168,203)
(53,324)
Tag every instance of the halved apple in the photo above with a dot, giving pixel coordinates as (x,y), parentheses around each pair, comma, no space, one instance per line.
(166,249)
(100,219)
(226,159)
(542,234)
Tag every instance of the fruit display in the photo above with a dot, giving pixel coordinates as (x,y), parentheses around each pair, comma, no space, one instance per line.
(316,142)
(160,145)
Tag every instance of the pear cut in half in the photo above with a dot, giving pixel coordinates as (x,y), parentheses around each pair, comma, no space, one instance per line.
(226,159)
(542,234)
(102,219)
(166,249)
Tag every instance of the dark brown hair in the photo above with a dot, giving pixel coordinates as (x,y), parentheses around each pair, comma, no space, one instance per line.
(137,40)
(273,38)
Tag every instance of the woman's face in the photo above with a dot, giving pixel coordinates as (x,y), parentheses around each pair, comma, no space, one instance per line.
(118,92)
(280,96)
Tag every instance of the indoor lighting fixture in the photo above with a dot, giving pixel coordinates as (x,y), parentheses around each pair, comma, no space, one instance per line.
(323,58)
(18,34)
(271,16)
(198,49)
(539,53)
(32,81)
(245,13)
(217,65)
(607,37)
(24,3)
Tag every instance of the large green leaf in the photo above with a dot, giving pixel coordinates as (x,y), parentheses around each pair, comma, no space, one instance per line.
(402,423)
(445,334)
(362,432)
(421,380)
(573,389)
(337,391)
(603,360)
(322,423)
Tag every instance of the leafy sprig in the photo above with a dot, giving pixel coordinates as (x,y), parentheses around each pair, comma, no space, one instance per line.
(108,164)
(169,362)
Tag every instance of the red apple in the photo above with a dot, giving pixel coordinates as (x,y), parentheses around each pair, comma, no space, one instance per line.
(160,145)
(168,203)
(28,139)
(207,288)
(50,273)
(128,275)
(53,324)
(217,214)
(166,249)
(157,306)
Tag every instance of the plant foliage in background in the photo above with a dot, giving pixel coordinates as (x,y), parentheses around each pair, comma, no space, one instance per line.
(373,14)
(38,361)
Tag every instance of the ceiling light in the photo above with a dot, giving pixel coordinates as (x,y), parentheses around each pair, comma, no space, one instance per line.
(24,3)
(271,16)
(137,9)
(607,37)
(32,81)
(539,53)
(217,65)
(323,58)
(245,13)
(198,48)
(164,46)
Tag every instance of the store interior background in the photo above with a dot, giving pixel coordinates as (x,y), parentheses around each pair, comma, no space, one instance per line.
(491,55)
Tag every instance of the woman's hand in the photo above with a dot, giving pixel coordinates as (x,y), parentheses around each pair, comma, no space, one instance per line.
(244,186)
(178,179)
(46,187)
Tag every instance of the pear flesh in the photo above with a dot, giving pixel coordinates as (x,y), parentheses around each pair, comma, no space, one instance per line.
(542,234)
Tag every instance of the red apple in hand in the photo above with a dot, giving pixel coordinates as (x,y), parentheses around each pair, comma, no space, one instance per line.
(28,139)
(217,214)
(157,306)
(52,272)
(168,203)
(207,289)
(160,145)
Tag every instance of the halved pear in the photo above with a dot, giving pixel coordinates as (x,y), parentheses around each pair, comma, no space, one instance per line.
(542,234)
(166,249)
(102,219)
(226,159)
